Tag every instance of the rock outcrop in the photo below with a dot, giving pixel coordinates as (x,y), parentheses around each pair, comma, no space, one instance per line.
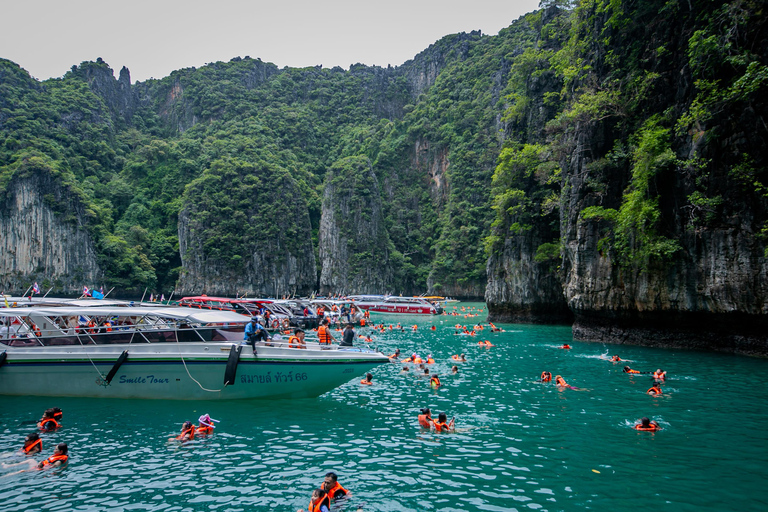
(354,245)
(43,236)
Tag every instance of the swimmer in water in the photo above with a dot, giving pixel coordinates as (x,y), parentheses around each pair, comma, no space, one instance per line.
(187,432)
(50,419)
(615,359)
(58,459)
(441,425)
(404,370)
(435,381)
(627,369)
(655,389)
(395,355)
(660,374)
(32,444)
(647,425)
(368,380)
(546,376)
(566,347)
(320,502)
(455,369)
(425,418)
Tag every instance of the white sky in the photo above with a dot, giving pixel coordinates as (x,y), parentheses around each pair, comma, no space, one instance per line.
(154,37)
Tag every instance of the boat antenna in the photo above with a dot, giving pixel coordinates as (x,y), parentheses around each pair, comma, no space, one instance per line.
(49,291)
(142,297)
(25,293)
(110,291)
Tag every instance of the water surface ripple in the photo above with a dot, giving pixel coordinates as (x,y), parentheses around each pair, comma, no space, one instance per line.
(520,445)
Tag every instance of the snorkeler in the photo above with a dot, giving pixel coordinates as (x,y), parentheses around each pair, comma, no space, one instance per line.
(206,425)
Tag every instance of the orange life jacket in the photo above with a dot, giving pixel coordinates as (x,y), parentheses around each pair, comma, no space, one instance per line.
(190,431)
(367,383)
(425,421)
(203,430)
(45,421)
(662,375)
(561,382)
(38,443)
(649,428)
(632,371)
(294,342)
(337,488)
(441,426)
(435,382)
(362,322)
(418,360)
(36,330)
(50,460)
(546,377)
(654,391)
(566,346)
(456,358)
(324,335)
(315,507)
(430,361)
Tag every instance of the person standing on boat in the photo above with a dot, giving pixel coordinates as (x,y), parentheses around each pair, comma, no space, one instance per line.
(324,334)
(348,336)
(254,332)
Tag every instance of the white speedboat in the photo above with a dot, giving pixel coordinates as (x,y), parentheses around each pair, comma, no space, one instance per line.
(395,304)
(160,353)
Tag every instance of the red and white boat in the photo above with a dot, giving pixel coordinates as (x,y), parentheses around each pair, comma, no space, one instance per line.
(396,305)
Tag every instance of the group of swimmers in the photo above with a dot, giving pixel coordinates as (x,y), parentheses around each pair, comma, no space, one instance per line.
(441,424)
(644,424)
(329,491)
(33,444)
(189,431)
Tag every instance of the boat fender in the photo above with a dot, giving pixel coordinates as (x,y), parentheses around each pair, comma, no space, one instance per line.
(3,358)
(231,370)
(116,366)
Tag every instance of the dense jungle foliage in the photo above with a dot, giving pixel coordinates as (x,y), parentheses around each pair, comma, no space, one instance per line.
(468,140)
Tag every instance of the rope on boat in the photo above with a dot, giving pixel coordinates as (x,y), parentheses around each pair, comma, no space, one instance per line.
(102,380)
(176,332)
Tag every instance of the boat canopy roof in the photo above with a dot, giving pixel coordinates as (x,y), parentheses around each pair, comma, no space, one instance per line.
(226,300)
(171,313)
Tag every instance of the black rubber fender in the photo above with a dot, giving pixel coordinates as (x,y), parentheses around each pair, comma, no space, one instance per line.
(232,362)
(116,366)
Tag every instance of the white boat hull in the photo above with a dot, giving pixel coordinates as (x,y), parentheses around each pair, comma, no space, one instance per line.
(170,371)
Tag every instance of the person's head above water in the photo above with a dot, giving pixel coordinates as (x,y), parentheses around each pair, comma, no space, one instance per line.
(426,411)
(442,418)
(645,422)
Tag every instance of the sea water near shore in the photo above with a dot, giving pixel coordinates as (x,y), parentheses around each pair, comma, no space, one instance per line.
(520,445)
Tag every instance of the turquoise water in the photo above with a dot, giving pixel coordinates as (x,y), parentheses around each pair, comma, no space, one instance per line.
(520,445)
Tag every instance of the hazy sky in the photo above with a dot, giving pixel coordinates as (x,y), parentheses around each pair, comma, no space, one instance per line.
(154,37)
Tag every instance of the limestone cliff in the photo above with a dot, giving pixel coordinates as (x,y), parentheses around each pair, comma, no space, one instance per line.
(354,245)
(271,254)
(43,236)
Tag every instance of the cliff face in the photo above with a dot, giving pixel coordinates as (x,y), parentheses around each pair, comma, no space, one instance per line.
(271,255)
(354,245)
(43,238)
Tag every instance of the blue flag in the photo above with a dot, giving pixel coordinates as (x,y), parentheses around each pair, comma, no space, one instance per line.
(97,295)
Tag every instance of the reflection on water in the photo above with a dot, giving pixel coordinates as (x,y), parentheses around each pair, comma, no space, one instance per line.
(519,444)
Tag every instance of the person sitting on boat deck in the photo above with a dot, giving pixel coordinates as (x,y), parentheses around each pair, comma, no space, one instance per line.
(546,376)
(660,374)
(615,359)
(627,369)
(455,369)
(254,332)
(333,488)
(320,502)
(324,334)
(368,380)
(297,340)
(32,444)
(655,389)
(425,418)
(348,336)
(441,425)
(435,381)
(206,425)
(187,432)
(647,425)
(50,419)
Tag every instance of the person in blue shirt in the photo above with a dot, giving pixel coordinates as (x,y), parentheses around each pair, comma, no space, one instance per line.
(254,332)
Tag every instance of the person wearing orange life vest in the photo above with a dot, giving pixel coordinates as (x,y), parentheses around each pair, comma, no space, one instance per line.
(324,334)
(655,389)
(435,381)
(58,459)
(615,359)
(566,346)
(333,488)
(368,380)
(430,360)
(187,432)
(627,369)
(546,376)
(297,340)
(395,355)
(560,382)
(441,425)
(32,444)
(660,374)
(320,502)
(50,419)
(206,425)
(647,425)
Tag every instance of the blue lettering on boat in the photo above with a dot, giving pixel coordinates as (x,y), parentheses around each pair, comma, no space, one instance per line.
(149,379)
